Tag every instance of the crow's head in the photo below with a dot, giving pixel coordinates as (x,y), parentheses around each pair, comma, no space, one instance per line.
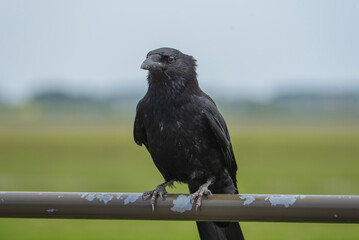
(170,64)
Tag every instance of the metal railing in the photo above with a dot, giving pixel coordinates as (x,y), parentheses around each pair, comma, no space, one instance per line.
(219,207)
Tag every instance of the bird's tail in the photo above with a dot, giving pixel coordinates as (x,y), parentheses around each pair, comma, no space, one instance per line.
(219,230)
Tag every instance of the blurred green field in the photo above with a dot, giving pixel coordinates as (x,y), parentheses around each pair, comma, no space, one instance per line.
(102,157)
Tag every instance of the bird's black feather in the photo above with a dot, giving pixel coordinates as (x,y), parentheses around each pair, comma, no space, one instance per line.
(139,132)
(220,131)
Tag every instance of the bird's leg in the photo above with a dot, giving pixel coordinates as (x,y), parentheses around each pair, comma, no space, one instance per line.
(160,190)
(203,190)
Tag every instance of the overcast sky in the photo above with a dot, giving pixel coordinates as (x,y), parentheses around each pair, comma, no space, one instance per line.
(243,48)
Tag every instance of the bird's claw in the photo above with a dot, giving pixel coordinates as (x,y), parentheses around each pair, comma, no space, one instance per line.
(160,190)
(197,196)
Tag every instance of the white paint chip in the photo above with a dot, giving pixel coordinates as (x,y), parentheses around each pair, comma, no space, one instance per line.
(248,199)
(302,196)
(336,215)
(102,197)
(119,195)
(131,198)
(285,200)
(60,196)
(182,204)
(88,196)
(51,210)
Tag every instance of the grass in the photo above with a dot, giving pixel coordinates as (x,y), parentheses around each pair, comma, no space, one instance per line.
(102,157)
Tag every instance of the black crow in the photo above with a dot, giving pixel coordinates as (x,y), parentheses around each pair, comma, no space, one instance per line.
(186,135)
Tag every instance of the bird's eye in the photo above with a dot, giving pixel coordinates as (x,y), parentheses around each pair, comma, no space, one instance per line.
(171,59)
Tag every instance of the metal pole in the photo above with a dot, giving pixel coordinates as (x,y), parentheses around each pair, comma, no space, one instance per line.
(219,207)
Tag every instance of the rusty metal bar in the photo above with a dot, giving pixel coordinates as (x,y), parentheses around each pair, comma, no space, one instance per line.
(219,207)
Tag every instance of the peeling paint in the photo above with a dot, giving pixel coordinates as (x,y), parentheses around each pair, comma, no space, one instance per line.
(51,210)
(248,199)
(336,215)
(182,204)
(119,195)
(100,196)
(83,195)
(131,198)
(89,196)
(285,200)
(60,196)
(104,197)
(302,196)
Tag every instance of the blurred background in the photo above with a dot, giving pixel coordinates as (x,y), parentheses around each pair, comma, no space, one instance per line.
(284,74)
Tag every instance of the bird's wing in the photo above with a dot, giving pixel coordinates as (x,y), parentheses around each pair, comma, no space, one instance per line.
(139,132)
(220,131)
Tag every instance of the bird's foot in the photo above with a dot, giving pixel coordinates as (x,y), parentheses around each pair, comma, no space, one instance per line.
(203,190)
(160,190)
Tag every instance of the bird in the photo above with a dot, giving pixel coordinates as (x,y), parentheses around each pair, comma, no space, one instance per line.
(186,136)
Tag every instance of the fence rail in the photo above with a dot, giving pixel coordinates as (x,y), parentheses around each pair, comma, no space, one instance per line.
(219,207)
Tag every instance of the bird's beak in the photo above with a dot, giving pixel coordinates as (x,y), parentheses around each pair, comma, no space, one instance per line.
(151,65)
